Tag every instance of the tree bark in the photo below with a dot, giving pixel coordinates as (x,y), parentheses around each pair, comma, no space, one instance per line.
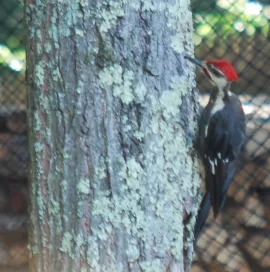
(112,119)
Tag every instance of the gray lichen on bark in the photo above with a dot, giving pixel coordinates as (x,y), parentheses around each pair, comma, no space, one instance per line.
(112,118)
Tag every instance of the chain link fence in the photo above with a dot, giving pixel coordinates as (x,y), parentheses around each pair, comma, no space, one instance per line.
(13,139)
(238,30)
(238,240)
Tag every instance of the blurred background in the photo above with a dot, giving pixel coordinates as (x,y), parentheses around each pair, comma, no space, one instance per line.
(13,139)
(238,30)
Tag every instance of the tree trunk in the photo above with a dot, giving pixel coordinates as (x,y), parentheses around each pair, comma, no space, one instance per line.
(112,117)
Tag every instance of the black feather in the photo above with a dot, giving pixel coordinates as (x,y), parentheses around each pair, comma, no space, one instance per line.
(202,215)
(221,136)
(206,202)
(224,139)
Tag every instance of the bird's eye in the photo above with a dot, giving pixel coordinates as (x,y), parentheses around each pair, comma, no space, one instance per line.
(215,71)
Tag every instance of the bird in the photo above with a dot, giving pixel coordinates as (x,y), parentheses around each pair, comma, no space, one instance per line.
(222,130)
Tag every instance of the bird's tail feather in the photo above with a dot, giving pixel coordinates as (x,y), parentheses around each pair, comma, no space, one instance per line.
(202,215)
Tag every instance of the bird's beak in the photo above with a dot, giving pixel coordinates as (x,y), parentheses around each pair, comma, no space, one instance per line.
(197,62)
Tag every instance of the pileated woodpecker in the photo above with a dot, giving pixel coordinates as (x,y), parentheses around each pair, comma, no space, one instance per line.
(222,129)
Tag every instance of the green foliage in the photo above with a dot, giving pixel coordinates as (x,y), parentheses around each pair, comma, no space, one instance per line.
(233,19)
(13,60)
(12,32)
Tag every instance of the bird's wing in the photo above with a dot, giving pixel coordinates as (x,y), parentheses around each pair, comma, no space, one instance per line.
(219,153)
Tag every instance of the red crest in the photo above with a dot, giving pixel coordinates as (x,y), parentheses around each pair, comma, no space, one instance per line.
(225,67)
